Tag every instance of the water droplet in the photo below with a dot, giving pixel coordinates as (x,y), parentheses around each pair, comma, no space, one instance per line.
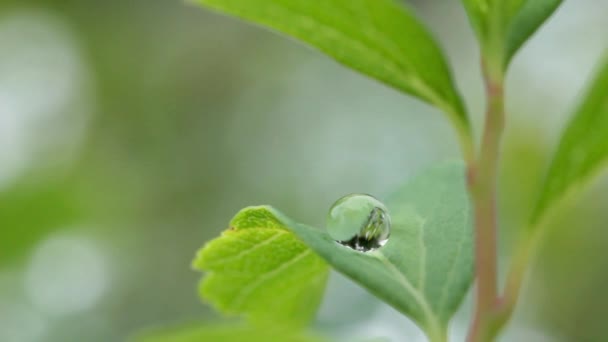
(360,222)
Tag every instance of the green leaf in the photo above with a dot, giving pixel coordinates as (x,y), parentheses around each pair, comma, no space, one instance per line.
(379,38)
(426,267)
(478,12)
(260,269)
(505,25)
(226,333)
(525,21)
(582,151)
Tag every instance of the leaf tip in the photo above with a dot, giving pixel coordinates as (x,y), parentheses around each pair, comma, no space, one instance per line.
(255,217)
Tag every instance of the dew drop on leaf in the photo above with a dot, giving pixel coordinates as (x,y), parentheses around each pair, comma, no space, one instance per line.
(360,222)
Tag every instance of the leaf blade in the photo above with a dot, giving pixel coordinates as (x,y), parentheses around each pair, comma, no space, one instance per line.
(378,38)
(259,269)
(429,294)
(528,19)
(506,25)
(582,151)
(477,11)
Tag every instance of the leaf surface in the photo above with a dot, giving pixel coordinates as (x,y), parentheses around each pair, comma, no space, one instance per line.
(510,22)
(525,21)
(583,148)
(259,269)
(426,267)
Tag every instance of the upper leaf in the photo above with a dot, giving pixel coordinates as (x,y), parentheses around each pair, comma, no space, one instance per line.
(478,12)
(260,269)
(530,15)
(379,38)
(426,267)
(226,333)
(507,24)
(583,149)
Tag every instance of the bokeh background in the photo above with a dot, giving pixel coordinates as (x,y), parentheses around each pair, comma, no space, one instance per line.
(132,131)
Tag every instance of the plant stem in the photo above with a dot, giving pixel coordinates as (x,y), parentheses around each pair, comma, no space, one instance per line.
(482,183)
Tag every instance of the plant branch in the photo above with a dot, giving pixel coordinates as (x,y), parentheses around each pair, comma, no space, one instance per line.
(482,183)
(515,279)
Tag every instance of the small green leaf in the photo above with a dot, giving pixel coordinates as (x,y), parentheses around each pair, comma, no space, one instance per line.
(260,269)
(525,21)
(379,38)
(426,267)
(478,12)
(582,151)
(506,25)
(226,333)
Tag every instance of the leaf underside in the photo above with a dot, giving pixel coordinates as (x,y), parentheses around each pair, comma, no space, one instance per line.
(379,38)
(426,267)
(583,148)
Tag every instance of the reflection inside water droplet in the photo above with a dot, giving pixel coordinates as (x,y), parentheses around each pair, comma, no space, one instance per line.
(360,222)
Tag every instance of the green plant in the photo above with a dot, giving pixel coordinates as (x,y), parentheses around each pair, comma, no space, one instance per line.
(273,269)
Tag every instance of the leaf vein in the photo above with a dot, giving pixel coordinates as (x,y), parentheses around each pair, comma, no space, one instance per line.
(247,251)
(423,251)
(416,295)
(238,300)
(453,267)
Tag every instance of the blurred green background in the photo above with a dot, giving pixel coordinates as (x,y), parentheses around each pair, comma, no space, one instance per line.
(132,131)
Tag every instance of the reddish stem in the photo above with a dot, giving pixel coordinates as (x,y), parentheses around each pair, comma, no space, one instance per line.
(482,183)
